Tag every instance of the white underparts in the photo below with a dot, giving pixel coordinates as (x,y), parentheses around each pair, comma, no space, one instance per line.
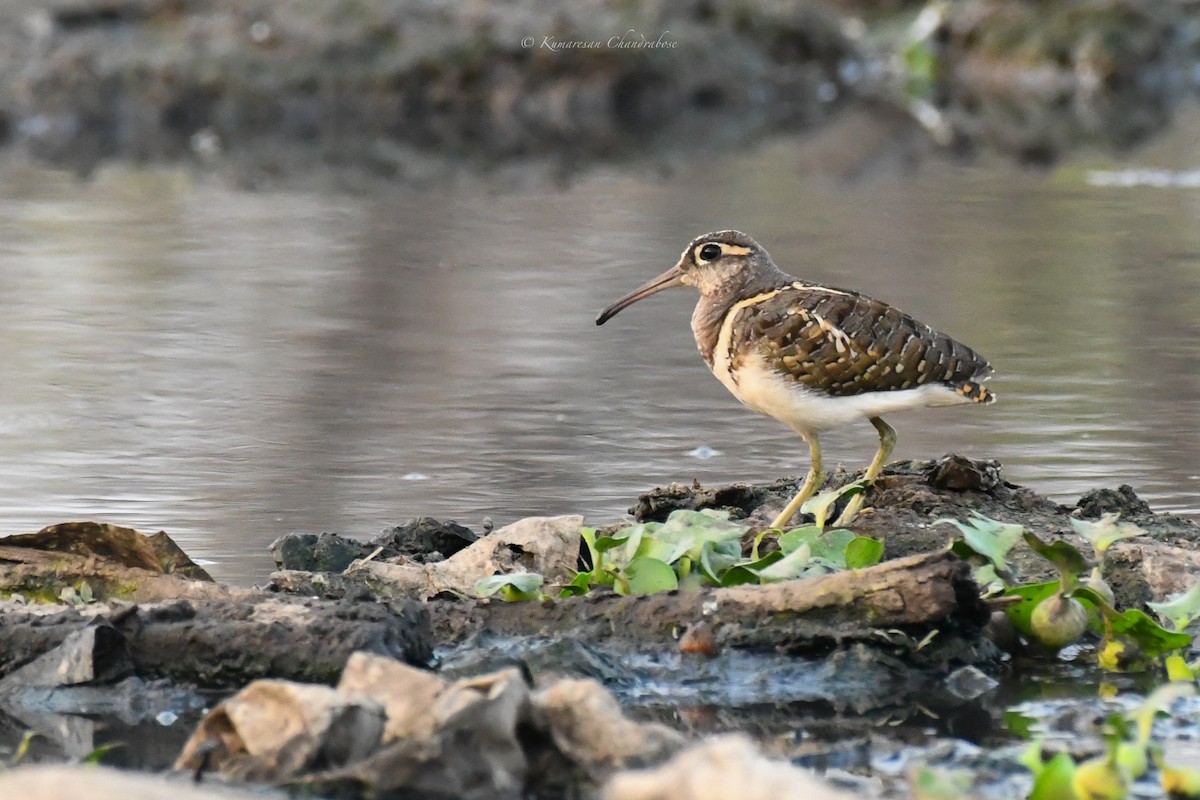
(807,410)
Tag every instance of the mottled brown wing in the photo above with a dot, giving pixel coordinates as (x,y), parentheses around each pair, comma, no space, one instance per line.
(844,343)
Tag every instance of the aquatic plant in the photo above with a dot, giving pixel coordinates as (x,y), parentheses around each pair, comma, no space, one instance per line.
(1057,613)
(696,549)
(1128,751)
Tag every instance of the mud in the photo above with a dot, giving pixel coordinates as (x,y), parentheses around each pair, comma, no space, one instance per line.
(415,92)
(910,497)
(881,668)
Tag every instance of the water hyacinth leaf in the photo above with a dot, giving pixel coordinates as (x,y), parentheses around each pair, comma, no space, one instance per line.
(1065,558)
(798,537)
(1151,638)
(747,571)
(828,546)
(1178,670)
(985,576)
(863,551)
(987,537)
(1053,781)
(514,586)
(649,575)
(97,755)
(819,505)
(1031,757)
(1031,595)
(1159,701)
(1180,610)
(688,533)
(707,525)
(793,565)
(715,560)
(741,574)
(1104,531)
(581,585)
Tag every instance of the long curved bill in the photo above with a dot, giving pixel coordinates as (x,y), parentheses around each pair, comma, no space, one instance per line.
(669,279)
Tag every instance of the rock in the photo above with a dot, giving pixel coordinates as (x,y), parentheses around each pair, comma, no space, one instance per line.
(959,474)
(113,543)
(1096,503)
(464,744)
(588,726)
(407,694)
(389,729)
(721,768)
(277,730)
(1141,571)
(95,654)
(739,499)
(99,562)
(967,683)
(424,539)
(226,643)
(72,781)
(312,552)
(546,545)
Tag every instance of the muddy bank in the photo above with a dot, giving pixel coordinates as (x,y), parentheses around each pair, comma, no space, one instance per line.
(898,647)
(911,496)
(416,92)
(378,85)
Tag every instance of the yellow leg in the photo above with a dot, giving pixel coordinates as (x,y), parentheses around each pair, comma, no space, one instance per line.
(813,482)
(887,440)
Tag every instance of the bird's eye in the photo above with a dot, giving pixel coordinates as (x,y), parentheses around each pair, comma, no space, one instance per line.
(709,252)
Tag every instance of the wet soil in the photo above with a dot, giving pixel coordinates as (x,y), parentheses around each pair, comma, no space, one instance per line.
(905,504)
(417,92)
(855,674)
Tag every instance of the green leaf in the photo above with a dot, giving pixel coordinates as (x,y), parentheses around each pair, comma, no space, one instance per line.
(863,551)
(828,546)
(1031,756)
(1180,610)
(987,537)
(98,754)
(793,565)
(820,504)
(1104,531)
(1158,701)
(581,585)
(987,579)
(513,586)
(798,537)
(1053,782)
(1031,594)
(740,574)
(1065,558)
(23,748)
(1178,669)
(1153,639)
(649,575)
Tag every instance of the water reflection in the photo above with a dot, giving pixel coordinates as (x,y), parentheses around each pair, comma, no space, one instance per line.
(229,366)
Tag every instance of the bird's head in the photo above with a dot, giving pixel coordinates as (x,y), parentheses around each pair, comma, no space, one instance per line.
(715,263)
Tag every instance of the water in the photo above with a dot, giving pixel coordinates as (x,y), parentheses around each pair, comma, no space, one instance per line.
(231,365)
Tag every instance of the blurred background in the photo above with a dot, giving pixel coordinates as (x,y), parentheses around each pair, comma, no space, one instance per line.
(331,265)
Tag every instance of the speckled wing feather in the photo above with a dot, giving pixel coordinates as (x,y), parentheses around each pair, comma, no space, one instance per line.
(843,343)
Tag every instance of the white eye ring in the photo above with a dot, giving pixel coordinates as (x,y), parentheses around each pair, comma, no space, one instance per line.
(709,251)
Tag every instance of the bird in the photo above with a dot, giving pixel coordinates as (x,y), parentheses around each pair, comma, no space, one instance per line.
(813,357)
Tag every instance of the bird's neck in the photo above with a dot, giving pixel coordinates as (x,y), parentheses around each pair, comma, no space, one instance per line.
(716,303)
